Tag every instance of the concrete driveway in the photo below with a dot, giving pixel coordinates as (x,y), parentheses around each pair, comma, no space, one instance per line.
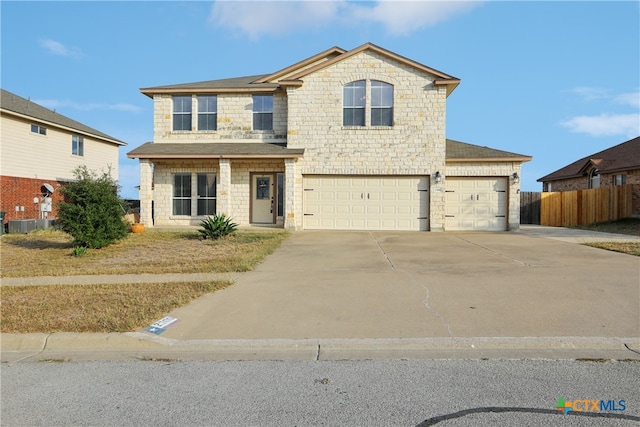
(340,285)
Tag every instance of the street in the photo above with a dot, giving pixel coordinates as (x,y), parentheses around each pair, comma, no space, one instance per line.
(336,393)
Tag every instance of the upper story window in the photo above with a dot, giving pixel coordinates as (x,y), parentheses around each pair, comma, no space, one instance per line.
(77,145)
(181,113)
(262,112)
(381,104)
(207,112)
(41,130)
(594,178)
(353,103)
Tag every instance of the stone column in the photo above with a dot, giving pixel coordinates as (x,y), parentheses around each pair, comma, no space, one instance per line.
(224,187)
(146,192)
(291,196)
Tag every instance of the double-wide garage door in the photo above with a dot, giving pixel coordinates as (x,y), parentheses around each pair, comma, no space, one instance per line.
(478,204)
(344,202)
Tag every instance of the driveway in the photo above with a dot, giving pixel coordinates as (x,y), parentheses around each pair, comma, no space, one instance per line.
(331,284)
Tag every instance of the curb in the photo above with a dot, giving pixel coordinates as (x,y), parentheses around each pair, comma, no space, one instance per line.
(143,346)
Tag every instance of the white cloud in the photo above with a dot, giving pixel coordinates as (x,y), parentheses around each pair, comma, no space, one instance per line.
(57,48)
(590,93)
(257,18)
(632,99)
(401,18)
(605,125)
(56,104)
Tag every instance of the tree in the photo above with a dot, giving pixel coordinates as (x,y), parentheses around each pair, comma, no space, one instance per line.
(92,213)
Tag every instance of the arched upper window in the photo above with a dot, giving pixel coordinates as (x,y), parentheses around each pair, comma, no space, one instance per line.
(353,103)
(381,104)
(594,178)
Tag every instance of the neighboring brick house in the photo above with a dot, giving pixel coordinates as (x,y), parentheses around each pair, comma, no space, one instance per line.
(614,166)
(39,147)
(341,140)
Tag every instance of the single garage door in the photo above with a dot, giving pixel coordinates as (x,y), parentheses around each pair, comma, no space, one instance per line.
(344,202)
(476,204)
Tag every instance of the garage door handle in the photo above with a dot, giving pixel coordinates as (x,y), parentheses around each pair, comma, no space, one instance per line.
(367,195)
(362,195)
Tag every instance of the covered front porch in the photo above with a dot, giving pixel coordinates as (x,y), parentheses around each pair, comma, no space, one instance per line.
(253,183)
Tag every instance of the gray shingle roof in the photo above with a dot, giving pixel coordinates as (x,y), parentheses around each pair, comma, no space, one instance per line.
(238,83)
(16,104)
(625,156)
(461,151)
(152,150)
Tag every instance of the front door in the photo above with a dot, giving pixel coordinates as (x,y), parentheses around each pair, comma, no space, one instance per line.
(262,199)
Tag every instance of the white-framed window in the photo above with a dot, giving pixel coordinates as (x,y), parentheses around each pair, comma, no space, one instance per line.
(207,112)
(182,194)
(40,130)
(353,103)
(206,193)
(594,178)
(619,179)
(181,112)
(77,145)
(262,112)
(381,104)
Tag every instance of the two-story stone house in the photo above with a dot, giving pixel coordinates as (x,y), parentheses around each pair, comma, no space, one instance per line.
(341,140)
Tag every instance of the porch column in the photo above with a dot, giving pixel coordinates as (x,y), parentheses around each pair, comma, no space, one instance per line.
(292,195)
(224,187)
(146,192)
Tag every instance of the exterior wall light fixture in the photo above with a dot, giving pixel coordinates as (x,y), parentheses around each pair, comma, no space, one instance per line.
(438,177)
(515,178)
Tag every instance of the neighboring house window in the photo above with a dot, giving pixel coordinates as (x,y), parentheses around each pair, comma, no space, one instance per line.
(353,103)
(182,194)
(594,179)
(206,193)
(381,104)
(208,112)
(77,145)
(262,112)
(620,179)
(181,113)
(38,129)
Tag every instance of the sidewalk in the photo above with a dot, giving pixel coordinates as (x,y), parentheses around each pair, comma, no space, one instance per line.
(368,285)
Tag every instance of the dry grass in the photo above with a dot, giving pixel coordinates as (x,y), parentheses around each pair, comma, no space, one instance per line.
(629,226)
(49,253)
(94,308)
(631,248)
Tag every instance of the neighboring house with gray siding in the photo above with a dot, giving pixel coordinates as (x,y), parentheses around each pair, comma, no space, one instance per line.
(39,146)
(341,140)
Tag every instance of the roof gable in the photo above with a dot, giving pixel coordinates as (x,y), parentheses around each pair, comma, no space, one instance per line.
(624,156)
(14,104)
(300,66)
(441,78)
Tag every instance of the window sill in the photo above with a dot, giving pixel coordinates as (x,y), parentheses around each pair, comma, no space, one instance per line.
(367,127)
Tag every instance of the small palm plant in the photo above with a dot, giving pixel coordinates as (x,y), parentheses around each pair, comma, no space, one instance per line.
(216,226)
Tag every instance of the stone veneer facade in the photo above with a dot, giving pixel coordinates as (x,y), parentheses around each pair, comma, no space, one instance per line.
(310,117)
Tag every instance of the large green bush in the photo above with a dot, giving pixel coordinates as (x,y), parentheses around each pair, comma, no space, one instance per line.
(92,213)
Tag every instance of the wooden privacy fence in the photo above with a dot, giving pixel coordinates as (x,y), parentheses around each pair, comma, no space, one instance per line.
(582,207)
(530,207)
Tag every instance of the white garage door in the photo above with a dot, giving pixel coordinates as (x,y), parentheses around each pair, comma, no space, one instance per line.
(476,204)
(336,202)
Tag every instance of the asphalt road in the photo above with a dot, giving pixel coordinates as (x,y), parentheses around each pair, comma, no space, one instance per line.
(338,393)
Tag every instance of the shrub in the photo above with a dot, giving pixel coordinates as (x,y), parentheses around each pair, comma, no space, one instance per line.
(216,226)
(92,213)
(79,251)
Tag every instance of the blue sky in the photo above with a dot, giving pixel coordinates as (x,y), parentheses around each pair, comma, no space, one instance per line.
(554,80)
